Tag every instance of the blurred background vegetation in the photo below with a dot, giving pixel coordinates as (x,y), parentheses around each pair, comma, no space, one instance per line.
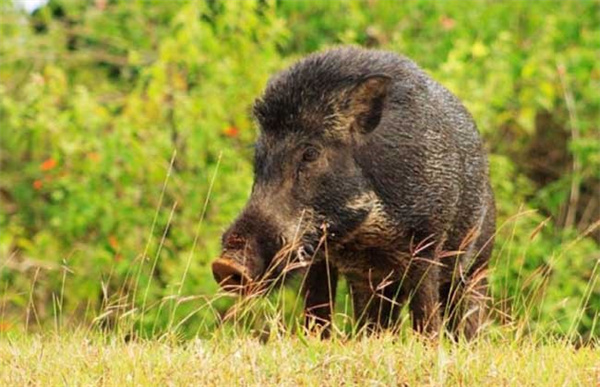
(117,114)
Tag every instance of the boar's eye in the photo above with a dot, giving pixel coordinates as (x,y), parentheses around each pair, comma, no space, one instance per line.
(310,154)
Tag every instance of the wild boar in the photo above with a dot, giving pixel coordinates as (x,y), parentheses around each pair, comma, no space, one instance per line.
(366,167)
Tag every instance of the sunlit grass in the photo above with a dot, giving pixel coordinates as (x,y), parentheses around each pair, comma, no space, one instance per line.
(228,359)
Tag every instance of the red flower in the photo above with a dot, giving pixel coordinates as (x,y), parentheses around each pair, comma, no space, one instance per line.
(113,242)
(37,185)
(447,22)
(5,326)
(231,132)
(48,164)
(94,156)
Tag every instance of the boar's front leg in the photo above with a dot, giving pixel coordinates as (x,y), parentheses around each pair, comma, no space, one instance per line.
(319,289)
(424,303)
(376,303)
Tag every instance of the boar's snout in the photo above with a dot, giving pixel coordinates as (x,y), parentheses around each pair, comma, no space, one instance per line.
(249,246)
(230,275)
(238,265)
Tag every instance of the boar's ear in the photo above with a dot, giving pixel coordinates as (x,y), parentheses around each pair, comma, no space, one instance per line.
(365,102)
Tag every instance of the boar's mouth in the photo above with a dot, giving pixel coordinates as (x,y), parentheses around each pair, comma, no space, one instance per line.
(231,276)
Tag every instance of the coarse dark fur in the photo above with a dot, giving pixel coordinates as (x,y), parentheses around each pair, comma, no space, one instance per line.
(369,169)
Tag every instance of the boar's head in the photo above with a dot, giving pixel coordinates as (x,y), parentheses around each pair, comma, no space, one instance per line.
(314,120)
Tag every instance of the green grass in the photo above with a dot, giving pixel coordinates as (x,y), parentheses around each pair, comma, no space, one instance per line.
(224,360)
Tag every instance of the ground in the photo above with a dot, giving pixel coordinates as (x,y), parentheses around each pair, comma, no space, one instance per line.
(95,360)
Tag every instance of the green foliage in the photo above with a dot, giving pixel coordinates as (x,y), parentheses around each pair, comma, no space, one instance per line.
(105,105)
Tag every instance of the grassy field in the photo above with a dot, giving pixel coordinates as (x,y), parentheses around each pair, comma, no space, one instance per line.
(81,359)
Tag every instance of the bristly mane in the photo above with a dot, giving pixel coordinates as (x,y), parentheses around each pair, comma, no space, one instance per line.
(301,98)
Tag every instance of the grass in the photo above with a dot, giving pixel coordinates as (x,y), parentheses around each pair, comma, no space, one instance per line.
(225,359)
